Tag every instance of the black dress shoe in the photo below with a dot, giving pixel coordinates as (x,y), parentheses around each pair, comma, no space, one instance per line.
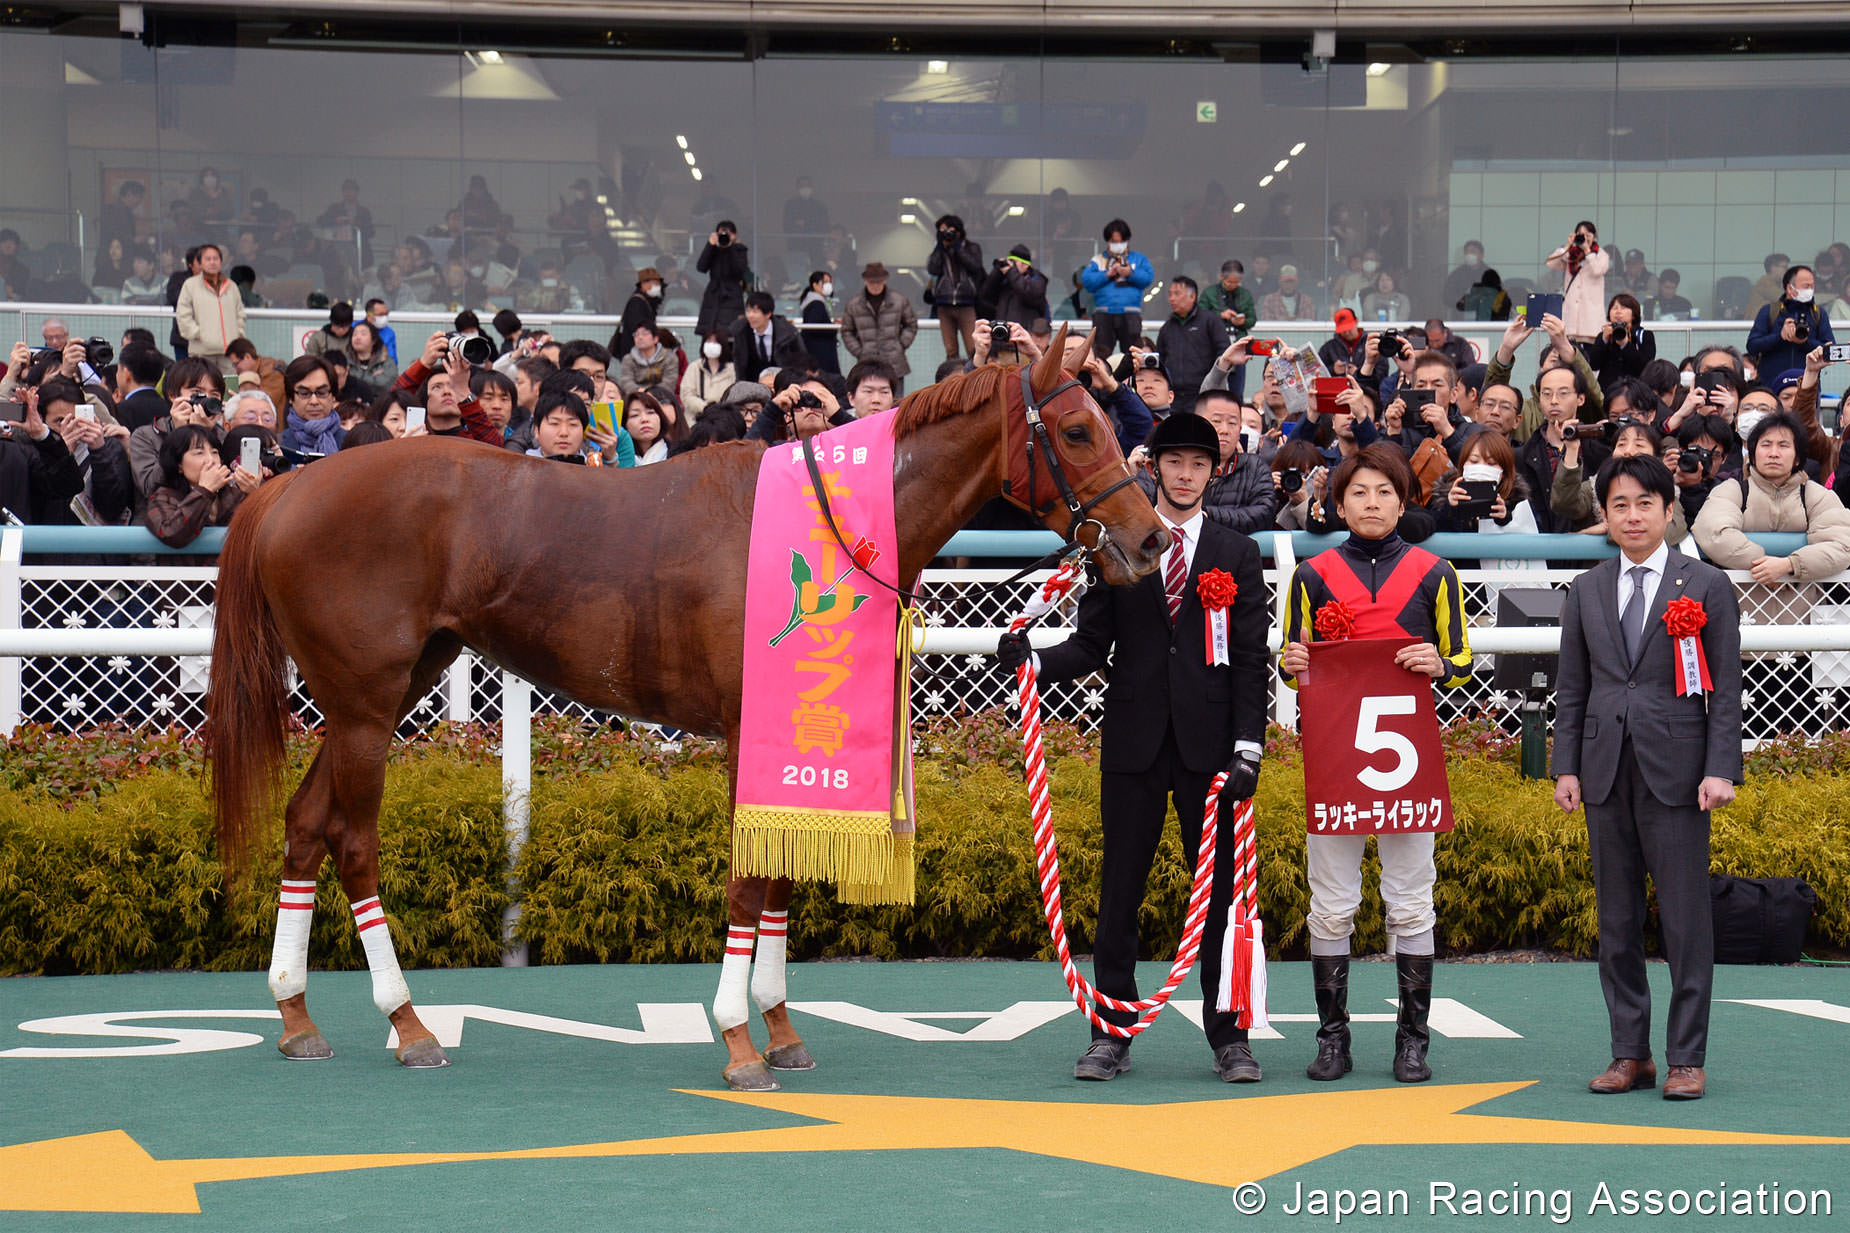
(1103,1059)
(1234,1063)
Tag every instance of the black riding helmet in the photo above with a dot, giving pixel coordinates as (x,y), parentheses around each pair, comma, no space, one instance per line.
(1184,430)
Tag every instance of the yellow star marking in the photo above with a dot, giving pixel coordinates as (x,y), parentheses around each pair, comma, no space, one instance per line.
(110,1172)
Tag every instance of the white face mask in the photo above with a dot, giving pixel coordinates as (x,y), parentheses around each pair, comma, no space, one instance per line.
(1474,259)
(1801,297)
(549,282)
(652,290)
(806,192)
(382,318)
(1119,248)
(710,350)
(1369,267)
(1476,471)
(827,290)
(1745,421)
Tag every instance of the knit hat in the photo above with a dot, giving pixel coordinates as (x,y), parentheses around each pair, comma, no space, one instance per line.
(746,391)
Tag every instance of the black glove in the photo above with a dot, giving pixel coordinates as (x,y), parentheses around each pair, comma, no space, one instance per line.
(1242,779)
(1013,650)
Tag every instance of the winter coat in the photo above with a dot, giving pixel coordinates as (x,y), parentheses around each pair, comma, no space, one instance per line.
(1583,303)
(207,317)
(1018,292)
(1240,496)
(639,311)
(727,270)
(37,478)
(1113,297)
(1394,306)
(1216,300)
(1773,354)
(956,274)
(1536,468)
(107,481)
(325,340)
(882,335)
(820,343)
(702,387)
(144,453)
(1738,506)
(177,518)
(378,374)
(636,373)
(1610,362)
(1189,346)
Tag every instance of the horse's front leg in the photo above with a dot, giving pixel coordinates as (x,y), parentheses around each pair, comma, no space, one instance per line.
(786,1051)
(746,1070)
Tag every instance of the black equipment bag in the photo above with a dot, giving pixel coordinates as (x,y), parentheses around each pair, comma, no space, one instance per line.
(1760,920)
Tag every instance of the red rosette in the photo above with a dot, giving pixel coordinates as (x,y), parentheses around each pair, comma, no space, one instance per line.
(1684,618)
(1334,622)
(1217,590)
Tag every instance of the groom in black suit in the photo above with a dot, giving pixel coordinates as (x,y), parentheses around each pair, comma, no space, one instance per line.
(1650,765)
(1172,720)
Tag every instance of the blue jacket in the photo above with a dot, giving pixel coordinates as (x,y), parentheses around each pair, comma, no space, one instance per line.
(1128,415)
(1115,297)
(1774,354)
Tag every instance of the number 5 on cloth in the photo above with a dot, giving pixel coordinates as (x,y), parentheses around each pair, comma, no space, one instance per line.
(1372,760)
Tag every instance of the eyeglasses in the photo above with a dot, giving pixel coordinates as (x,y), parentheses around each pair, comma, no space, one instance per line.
(317,391)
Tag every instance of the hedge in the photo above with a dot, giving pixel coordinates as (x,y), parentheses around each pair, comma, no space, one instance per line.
(107,862)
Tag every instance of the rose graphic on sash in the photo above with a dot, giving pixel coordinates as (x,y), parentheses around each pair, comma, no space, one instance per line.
(1217,591)
(1683,621)
(1334,622)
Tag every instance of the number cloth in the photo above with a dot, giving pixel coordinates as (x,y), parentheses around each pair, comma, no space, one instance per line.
(825,763)
(1372,759)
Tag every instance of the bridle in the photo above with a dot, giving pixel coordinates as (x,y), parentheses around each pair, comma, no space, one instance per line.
(1028,447)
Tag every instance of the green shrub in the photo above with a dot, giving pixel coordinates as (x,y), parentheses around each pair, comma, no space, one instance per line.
(107,862)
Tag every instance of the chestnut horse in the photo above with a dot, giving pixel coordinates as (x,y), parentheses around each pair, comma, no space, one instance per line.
(371,570)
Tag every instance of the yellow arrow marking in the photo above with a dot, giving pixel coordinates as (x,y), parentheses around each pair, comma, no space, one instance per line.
(110,1172)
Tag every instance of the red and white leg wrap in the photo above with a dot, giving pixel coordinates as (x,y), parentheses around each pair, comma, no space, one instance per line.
(730,1006)
(389,988)
(768,967)
(295,912)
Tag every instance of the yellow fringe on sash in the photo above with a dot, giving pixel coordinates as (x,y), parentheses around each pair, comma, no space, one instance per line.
(857,851)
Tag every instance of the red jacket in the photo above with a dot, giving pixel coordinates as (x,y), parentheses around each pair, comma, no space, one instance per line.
(475,425)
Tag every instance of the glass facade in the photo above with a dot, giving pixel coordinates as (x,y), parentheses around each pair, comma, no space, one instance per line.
(486,178)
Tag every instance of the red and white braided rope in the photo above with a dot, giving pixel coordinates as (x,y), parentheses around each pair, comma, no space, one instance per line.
(1057,588)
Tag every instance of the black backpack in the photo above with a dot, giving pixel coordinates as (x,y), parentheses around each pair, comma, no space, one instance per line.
(1760,920)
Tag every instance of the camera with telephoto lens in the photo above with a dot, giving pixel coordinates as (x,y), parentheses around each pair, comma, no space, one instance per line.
(476,351)
(1290,481)
(725,239)
(1150,360)
(1620,332)
(1574,431)
(1692,461)
(1391,343)
(1801,328)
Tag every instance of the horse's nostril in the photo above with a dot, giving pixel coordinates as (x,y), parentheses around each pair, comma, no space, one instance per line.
(1153,542)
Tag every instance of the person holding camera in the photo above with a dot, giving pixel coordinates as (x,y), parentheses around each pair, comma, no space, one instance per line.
(196,396)
(1300,477)
(957,274)
(1189,342)
(1016,289)
(1584,264)
(1116,279)
(1787,329)
(1562,394)
(209,312)
(1705,443)
(726,263)
(1558,353)
(1150,378)
(803,405)
(196,489)
(38,475)
(1623,346)
(99,450)
(1572,500)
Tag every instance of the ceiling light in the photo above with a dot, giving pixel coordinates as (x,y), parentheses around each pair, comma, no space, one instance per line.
(491,57)
(680,141)
(911,201)
(689,156)
(1280,165)
(1378,69)
(1017,211)
(908,218)
(1297,149)
(937,66)
(1265,181)
(695,171)
(1239,208)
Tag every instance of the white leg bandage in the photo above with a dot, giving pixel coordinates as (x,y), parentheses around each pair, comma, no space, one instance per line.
(730,1007)
(768,967)
(389,988)
(295,912)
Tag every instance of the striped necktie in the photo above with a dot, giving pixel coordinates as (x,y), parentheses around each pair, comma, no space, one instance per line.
(1175,574)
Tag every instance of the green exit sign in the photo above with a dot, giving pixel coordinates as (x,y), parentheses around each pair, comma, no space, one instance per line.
(1206,112)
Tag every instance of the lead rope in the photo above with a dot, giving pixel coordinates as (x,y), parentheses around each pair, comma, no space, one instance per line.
(1063,584)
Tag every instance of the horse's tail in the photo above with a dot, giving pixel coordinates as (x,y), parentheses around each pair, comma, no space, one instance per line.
(248,705)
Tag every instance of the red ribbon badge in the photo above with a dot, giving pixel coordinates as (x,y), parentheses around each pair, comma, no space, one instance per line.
(1217,590)
(1334,622)
(1684,619)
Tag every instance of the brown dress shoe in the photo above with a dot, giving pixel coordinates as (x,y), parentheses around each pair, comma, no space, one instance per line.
(1685,1083)
(1627,1074)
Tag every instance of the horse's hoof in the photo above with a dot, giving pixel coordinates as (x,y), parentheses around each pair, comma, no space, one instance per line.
(752,1076)
(789,1057)
(305,1047)
(422,1054)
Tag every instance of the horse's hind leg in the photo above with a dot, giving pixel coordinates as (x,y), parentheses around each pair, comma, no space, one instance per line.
(357,751)
(786,1051)
(745,1067)
(303,852)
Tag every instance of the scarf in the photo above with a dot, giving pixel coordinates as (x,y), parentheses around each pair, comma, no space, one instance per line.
(322,436)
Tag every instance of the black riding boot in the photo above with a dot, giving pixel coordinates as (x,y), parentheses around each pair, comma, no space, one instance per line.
(1411,1035)
(1330,973)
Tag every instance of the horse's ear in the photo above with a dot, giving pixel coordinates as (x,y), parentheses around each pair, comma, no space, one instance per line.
(1047,370)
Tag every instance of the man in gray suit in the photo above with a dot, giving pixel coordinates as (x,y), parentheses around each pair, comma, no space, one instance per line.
(1650,765)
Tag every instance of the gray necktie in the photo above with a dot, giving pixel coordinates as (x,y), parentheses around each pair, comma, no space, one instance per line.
(1631,621)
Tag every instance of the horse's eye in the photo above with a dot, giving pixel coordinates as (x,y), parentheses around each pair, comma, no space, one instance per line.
(1076,435)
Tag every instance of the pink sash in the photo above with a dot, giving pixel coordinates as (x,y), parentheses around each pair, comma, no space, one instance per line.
(825,783)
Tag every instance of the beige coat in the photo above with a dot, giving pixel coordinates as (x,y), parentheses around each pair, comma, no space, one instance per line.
(1583,300)
(1796,506)
(209,319)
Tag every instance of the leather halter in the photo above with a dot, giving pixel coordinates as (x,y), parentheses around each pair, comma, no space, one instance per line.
(1030,446)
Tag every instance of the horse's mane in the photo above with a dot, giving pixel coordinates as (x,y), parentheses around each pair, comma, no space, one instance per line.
(958,395)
